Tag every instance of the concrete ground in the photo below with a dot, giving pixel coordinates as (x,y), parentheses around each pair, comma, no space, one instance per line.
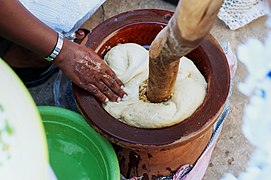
(233,150)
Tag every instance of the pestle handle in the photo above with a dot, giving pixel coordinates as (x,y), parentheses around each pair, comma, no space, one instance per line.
(191,22)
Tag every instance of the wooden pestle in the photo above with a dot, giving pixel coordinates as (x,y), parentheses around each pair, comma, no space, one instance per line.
(191,22)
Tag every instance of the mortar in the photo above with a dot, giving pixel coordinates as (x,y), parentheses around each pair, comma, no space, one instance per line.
(152,153)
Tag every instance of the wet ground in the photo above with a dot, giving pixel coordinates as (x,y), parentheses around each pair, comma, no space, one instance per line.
(233,150)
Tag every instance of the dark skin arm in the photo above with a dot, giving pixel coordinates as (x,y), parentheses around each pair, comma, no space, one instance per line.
(80,64)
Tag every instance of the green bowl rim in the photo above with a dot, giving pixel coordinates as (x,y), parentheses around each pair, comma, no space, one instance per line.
(106,148)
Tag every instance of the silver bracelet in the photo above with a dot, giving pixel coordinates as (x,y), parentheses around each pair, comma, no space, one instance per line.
(57,49)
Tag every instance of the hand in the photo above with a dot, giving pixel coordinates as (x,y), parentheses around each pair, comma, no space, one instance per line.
(87,70)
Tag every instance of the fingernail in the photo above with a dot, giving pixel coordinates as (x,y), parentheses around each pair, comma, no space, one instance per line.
(124,96)
(119,99)
(122,87)
(106,100)
(80,32)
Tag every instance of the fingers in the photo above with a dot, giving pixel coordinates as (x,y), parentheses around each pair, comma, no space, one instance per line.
(80,34)
(92,74)
(111,73)
(97,93)
(113,85)
(108,92)
(102,92)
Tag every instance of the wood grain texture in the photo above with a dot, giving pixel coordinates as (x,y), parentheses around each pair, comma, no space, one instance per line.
(141,27)
(191,22)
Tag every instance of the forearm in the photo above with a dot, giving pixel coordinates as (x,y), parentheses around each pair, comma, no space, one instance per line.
(17,24)
(80,64)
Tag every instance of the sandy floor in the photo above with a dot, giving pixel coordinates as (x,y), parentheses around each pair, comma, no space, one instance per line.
(232,151)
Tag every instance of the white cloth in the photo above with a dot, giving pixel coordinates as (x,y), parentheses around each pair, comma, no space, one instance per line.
(237,13)
(64,16)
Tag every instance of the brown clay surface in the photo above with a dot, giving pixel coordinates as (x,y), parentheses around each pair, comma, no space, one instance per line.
(160,163)
(189,25)
(232,146)
(208,57)
(182,143)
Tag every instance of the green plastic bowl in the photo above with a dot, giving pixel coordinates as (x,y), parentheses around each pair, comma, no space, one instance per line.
(76,151)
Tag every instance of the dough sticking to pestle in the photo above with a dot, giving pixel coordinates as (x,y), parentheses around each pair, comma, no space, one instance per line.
(130,63)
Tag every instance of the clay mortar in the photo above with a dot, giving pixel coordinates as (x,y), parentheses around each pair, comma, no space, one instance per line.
(156,152)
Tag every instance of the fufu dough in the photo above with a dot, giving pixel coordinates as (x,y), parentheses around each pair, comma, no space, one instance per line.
(130,63)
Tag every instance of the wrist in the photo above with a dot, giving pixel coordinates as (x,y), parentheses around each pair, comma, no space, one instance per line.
(57,48)
(65,52)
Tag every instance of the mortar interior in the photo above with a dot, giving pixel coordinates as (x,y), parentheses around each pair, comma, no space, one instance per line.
(141,27)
